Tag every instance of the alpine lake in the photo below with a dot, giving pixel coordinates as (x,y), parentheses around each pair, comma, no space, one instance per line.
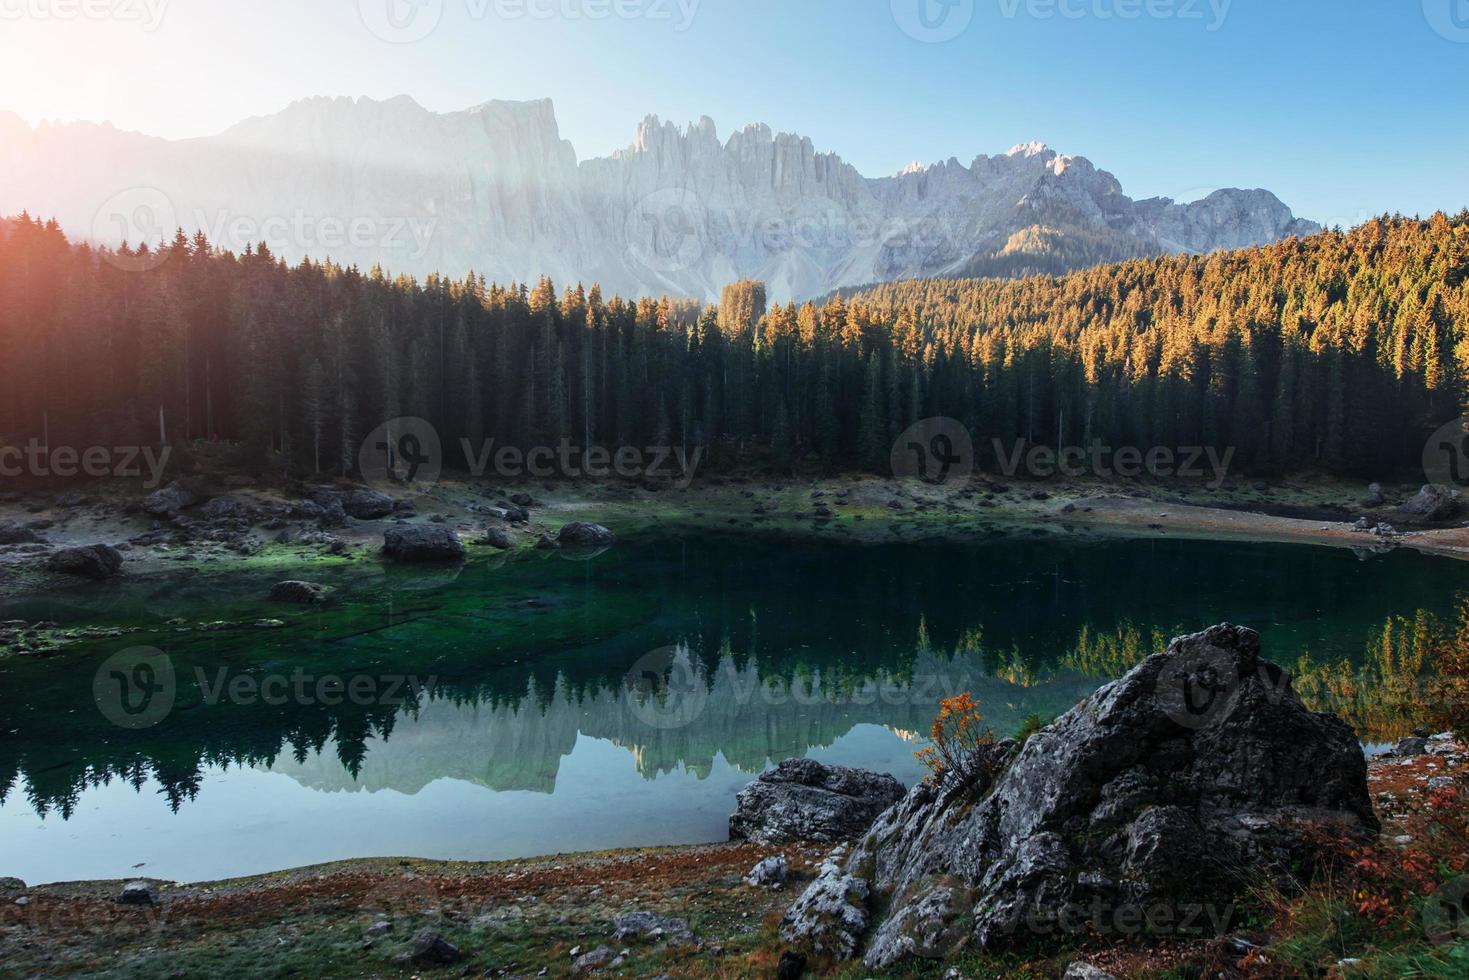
(555,702)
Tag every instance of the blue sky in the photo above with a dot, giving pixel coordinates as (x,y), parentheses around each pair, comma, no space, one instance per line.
(1344,108)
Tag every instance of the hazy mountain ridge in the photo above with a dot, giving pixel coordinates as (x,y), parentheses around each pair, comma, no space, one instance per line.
(496,189)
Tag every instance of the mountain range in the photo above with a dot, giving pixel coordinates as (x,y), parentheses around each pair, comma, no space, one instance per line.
(495,189)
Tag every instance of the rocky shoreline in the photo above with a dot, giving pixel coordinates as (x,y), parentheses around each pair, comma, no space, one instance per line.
(54,540)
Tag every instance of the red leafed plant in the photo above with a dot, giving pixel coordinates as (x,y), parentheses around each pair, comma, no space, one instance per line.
(1389,882)
(959,744)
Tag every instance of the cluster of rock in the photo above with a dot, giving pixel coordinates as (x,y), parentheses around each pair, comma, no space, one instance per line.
(1380,529)
(94,561)
(633,927)
(1412,746)
(1433,503)
(185,516)
(1141,804)
(13,532)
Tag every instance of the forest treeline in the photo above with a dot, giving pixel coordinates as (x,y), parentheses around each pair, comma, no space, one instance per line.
(1341,351)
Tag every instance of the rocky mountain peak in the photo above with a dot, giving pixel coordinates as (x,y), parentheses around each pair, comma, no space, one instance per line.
(1034,148)
(495,188)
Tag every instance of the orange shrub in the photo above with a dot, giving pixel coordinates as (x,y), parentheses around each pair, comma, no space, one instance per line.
(959,744)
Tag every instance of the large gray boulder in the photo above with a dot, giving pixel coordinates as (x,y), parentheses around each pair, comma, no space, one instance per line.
(579,534)
(13,533)
(169,500)
(418,543)
(224,508)
(831,915)
(649,926)
(803,800)
(97,561)
(1149,803)
(367,505)
(1433,503)
(138,893)
(432,949)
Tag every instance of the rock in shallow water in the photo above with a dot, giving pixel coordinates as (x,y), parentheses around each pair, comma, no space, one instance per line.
(97,561)
(1142,804)
(417,543)
(305,593)
(582,535)
(803,800)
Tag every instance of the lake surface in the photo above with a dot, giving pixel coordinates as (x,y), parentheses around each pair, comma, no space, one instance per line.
(550,703)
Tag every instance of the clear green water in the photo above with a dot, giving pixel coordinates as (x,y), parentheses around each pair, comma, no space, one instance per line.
(616,701)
